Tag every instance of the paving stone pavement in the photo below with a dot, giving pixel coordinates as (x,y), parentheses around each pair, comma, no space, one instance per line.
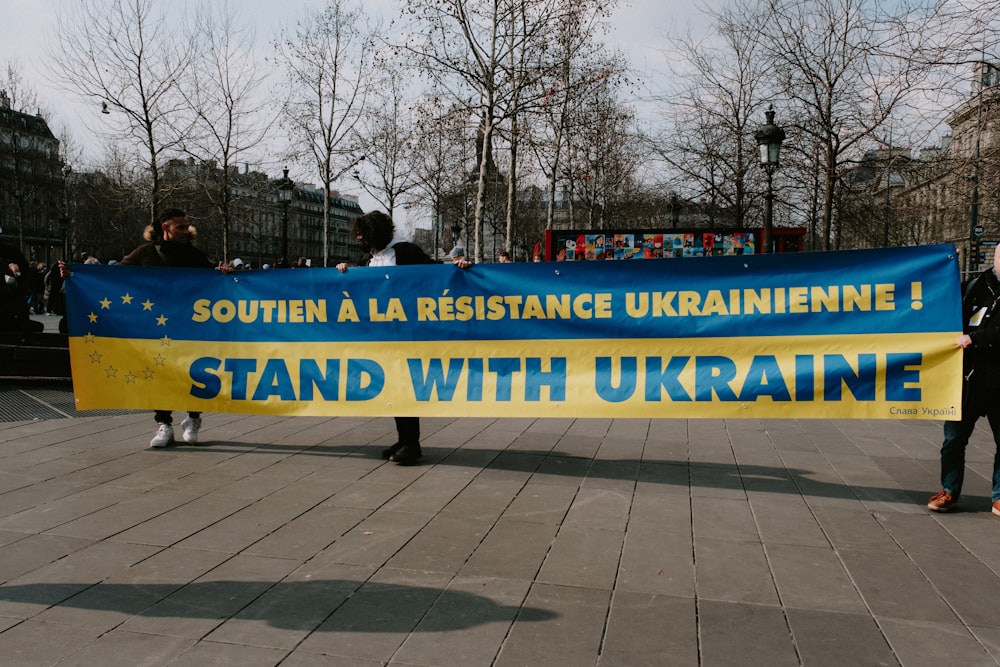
(289,541)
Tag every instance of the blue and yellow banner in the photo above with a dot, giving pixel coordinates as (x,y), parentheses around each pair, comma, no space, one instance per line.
(866,334)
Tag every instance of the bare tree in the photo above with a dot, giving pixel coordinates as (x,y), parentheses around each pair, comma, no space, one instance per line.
(224,100)
(460,46)
(328,61)
(844,67)
(441,166)
(108,204)
(580,64)
(604,151)
(71,157)
(125,58)
(490,55)
(712,106)
(389,136)
(21,96)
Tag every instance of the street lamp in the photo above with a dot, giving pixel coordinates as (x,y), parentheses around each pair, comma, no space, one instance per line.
(64,219)
(975,229)
(285,188)
(64,230)
(769,140)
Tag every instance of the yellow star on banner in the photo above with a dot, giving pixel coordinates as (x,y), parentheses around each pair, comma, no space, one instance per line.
(161,321)
(111,372)
(130,377)
(95,357)
(148,373)
(93,318)
(105,303)
(165,342)
(147,305)
(89,338)
(160,359)
(127,298)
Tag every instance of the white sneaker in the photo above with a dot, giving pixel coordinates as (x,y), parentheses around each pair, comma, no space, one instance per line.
(164,436)
(190,427)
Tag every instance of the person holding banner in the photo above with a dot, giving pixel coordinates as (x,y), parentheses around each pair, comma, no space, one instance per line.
(14,312)
(169,244)
(981,367)
(375,234)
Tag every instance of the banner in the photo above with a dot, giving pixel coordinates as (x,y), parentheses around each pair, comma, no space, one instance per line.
(864,334)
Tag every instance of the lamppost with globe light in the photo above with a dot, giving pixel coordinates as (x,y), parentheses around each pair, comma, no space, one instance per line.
(769,138)
(286,187)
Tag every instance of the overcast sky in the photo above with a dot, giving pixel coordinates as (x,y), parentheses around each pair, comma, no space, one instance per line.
(639,27)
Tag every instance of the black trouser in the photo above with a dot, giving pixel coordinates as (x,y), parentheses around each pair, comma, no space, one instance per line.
(408,430)
(165,416)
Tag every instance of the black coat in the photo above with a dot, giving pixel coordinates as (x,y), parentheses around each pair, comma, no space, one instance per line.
(406,253)
(168,253)
(980,305)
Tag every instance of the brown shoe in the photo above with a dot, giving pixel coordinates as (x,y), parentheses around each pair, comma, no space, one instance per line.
(996,508)
(942,501)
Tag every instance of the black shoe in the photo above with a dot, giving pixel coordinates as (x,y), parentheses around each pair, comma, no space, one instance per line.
(389,451)
(406,455)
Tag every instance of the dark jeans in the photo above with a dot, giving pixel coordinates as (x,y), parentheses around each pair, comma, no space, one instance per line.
(956,438)
(408,430)
(166,416)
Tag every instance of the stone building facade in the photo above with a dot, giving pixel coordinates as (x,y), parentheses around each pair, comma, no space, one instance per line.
(945,194)
(32,214)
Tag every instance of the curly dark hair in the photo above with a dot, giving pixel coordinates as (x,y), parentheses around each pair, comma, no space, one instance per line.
(375,230)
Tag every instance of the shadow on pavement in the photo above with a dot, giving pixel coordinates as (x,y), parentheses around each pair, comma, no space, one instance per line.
(290,605)
(681,473)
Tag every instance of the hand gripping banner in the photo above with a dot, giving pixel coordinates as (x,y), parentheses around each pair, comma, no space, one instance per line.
(863,334)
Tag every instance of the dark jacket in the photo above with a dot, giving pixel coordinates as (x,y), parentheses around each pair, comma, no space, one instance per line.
(407,253)
(14,315)
(55,292)
(168,253)
(980,305)
(410,253)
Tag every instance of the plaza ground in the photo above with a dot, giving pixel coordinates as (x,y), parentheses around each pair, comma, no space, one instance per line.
(289,541)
